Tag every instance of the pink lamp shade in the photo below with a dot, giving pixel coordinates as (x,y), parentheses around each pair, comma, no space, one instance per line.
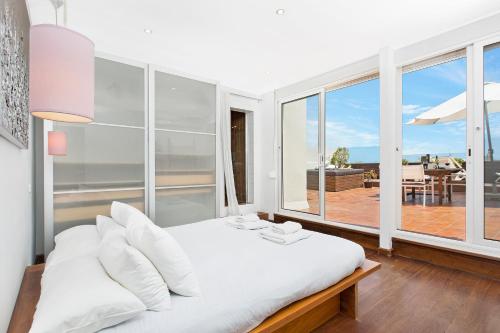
(57,143)
(61,80)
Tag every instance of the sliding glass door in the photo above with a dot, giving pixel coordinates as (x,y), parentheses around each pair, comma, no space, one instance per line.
(301,155)
(105,160)
(491,135)
(185,144)
(352,172)
(152,145)
(434,173)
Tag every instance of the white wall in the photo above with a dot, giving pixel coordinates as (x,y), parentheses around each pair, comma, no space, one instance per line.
(16,222)
(265,159)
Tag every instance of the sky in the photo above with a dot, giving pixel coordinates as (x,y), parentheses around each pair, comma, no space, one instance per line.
(352,114)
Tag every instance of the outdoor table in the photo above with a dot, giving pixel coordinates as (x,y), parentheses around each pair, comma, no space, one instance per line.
(440,174)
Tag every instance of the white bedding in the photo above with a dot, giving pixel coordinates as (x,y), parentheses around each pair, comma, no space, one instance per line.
(244,278)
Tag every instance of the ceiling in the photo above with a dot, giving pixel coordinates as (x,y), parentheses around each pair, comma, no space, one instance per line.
(245,45)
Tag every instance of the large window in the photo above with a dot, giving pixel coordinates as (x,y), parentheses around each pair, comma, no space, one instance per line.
(491,92)
(352,182)
(105,159)
(411,155)
(434,171)
(184,150)
(300,154)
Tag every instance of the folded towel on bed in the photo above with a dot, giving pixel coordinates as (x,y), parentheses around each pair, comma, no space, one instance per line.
(252,225)
(247,218)
(286,228)
(285,239)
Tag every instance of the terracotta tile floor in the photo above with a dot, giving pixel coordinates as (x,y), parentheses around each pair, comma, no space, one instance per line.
(361,207)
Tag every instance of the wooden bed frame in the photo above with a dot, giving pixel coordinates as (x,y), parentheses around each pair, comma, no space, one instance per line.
(301,316)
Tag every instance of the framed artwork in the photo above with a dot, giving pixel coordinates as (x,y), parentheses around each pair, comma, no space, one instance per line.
(14,51)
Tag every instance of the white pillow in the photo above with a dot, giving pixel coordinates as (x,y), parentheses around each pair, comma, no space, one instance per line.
(74,242)
(167,256)
(106,224)
(121,212)
(129,267)
(78,296)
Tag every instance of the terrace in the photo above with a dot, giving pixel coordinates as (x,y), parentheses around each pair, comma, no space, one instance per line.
(360,205)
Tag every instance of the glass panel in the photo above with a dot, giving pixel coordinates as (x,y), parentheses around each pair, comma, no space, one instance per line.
(352,121)
(100,157)
(434,150)
(184,159)
(184,104)
(300,155)
(72,209)
(185,205)
(119,93)
(492,142)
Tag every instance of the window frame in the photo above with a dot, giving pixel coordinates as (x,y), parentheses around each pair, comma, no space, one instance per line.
(391,63)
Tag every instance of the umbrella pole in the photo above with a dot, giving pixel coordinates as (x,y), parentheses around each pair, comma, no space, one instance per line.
(487,124)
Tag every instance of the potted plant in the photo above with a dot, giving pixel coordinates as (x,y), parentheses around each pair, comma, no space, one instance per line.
(368,176)
(340,157)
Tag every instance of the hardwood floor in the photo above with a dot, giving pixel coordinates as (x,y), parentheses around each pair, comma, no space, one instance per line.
(411,296)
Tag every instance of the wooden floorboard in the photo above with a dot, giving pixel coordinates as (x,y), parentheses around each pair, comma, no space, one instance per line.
(406,295)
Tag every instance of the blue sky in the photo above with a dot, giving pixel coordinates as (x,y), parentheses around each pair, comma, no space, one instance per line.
(352,113)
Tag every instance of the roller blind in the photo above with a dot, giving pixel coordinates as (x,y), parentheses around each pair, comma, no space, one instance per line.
(352,82)
(435,61)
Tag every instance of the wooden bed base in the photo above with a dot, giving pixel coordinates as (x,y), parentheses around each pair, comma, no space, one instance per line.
(311,312)
(301,316)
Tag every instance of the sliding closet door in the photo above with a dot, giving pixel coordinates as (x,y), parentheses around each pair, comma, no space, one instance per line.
(185,149)
(105,159)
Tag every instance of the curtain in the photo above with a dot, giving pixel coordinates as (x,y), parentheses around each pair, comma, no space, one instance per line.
(232,201)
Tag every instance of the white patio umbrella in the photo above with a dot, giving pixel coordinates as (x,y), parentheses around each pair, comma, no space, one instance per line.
(455,109)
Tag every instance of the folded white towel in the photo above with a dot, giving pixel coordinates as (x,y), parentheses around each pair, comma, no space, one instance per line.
(285,239)
(286,228)
(251,225)
(247,218)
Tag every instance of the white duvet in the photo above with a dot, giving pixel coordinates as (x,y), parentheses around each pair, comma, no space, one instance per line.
(244,278)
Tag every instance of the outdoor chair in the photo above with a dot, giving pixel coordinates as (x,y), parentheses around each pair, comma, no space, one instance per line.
(413,176)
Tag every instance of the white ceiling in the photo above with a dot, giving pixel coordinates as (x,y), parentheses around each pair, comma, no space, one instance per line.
(245,45)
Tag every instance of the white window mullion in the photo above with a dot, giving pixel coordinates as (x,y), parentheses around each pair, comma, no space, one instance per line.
(389,149)
(474,156)
(321,154)
(151,143)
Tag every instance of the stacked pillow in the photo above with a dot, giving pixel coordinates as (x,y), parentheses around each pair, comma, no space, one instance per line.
(159,247)
(142,262)
(165,253)
(129,267)
(78,296)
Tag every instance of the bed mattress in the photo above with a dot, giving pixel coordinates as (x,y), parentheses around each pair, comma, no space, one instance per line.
(244,278)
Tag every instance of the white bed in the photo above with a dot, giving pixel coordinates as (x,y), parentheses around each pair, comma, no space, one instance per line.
(245,279)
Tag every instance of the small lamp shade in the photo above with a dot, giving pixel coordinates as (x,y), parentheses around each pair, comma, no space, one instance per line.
(61,80)
(57,143)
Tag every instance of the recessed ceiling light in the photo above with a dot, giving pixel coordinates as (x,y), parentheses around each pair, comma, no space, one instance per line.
(280,11)
(173,88)
(148,31)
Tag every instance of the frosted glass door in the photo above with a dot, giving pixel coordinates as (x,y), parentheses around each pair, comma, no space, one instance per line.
(185,143)
(105,159)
